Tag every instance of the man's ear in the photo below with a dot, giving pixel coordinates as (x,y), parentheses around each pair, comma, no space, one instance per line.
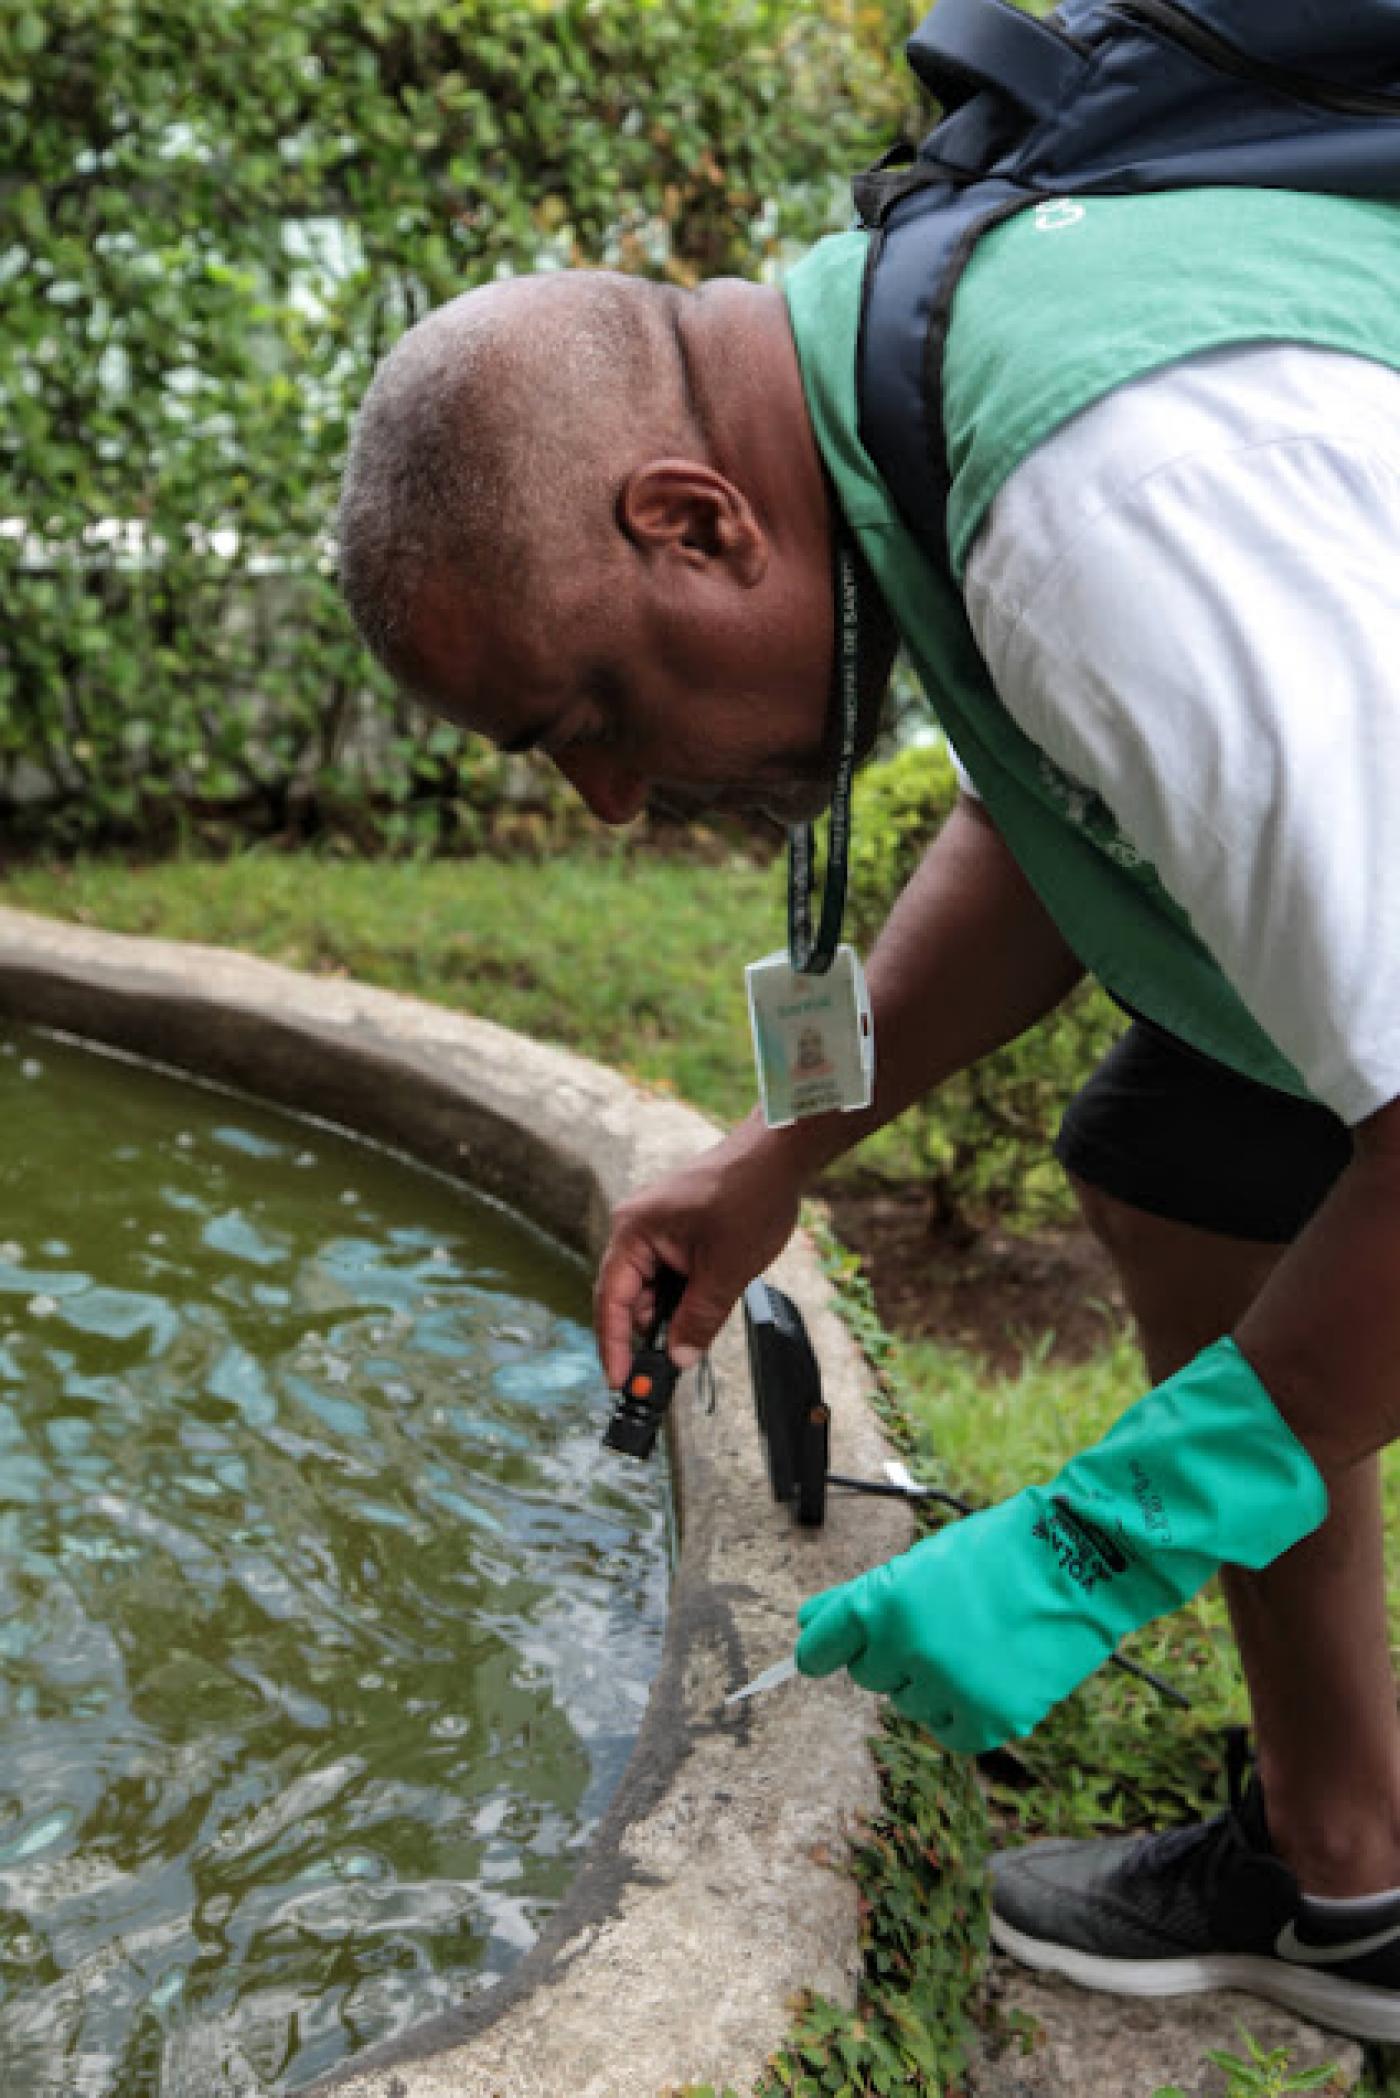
(683,508)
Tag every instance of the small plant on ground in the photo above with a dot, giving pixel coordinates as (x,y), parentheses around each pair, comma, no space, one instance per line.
(1263,2074)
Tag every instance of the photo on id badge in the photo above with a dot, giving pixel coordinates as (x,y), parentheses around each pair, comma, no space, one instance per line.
(812,1071)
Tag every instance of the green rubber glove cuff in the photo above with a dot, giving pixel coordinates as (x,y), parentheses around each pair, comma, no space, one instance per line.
(1201,1473)
(980,1629)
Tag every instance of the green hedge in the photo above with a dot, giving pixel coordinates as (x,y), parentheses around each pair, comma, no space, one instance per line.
(214,218)
(982,1142)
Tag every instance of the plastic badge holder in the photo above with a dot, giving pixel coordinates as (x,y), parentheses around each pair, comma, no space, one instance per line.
(794,1420)
(812,1039)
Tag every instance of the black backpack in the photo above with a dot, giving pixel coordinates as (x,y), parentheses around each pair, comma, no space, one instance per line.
(1102,97)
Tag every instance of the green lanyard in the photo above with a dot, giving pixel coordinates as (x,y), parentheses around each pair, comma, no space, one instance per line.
(806,956)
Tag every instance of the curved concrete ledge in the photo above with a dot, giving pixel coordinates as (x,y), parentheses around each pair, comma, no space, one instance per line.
(714,1889)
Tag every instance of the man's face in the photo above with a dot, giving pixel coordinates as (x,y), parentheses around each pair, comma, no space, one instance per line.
(676,684)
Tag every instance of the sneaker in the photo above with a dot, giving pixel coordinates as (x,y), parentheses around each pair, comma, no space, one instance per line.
(1206,1907)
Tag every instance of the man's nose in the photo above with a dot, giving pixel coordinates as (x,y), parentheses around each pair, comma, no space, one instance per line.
(614,794)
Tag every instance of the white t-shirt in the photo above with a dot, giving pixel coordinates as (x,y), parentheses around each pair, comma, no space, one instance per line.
(1189,597)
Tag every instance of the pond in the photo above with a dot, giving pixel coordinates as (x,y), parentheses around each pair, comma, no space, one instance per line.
(326,1624)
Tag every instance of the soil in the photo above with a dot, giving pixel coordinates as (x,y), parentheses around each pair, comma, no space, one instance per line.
(998,1295)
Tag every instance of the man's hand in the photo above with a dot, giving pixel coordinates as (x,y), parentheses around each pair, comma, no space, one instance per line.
(940,1632)
(978,1631)
(718,1221)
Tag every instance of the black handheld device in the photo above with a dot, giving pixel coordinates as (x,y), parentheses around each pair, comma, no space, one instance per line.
(794,1420)
(640,1406)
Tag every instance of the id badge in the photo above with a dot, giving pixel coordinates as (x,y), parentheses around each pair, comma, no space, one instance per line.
(812,1038)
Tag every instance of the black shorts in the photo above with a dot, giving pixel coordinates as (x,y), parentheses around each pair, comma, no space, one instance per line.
(1164,1128)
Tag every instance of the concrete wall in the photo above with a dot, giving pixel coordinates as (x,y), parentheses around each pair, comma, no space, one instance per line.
(714,1890)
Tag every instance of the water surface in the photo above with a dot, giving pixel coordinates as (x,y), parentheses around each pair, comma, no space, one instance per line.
(325,1623)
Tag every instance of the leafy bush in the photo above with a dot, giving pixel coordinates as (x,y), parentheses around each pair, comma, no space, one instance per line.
(215,219)
(982,1143)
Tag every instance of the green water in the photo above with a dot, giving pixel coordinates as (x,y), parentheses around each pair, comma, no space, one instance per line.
(325,1623)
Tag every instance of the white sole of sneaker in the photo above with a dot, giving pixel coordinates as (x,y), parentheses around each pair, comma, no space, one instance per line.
(1342,2006)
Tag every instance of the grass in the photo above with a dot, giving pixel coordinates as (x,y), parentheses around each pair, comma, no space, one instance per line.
(633,960)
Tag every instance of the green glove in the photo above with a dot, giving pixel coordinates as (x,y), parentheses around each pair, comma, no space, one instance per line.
(978,1631)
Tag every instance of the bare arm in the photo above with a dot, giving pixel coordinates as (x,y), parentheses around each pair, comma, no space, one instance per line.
(967,960)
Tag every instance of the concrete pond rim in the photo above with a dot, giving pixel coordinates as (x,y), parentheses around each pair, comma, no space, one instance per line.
(714,1889)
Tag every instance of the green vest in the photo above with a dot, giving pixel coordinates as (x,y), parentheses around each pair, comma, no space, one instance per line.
(1021,360)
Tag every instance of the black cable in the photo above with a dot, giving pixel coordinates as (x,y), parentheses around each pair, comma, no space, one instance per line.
(1148,1675)
(890,1491)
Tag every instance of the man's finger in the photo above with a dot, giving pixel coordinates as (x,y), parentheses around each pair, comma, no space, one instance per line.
(812,1605)
(965,1732)
(624,1280)
(887,1677)
(698,1318)
(832,1638)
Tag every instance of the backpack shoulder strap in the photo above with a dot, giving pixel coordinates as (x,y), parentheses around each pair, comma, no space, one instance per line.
(1106,97)
(917,255)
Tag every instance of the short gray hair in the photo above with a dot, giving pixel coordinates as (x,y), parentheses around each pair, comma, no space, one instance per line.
(494,437)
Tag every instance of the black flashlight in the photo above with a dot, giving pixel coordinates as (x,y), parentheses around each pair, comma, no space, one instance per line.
(640,1406)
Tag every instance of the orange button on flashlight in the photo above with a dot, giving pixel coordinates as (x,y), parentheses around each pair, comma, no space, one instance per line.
(640,1387)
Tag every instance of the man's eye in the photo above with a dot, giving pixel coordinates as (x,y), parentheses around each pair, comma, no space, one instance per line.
(599,735)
